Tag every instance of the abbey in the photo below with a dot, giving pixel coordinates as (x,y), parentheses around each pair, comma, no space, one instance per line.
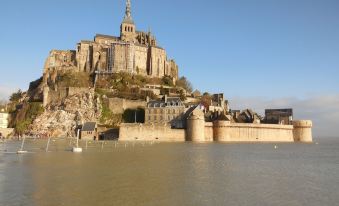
(133,52)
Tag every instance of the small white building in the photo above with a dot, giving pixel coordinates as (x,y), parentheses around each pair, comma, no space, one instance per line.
(4,120)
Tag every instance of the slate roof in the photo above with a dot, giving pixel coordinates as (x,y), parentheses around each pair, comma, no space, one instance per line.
(89,126)
(107,36)
(171,102)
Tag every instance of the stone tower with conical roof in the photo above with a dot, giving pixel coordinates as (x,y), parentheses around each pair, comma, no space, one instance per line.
(127,28)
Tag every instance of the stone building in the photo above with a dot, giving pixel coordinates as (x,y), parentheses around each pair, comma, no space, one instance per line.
(3,120)
(169,110)
(248,116)
(279,116)
(89,131)
(134,52)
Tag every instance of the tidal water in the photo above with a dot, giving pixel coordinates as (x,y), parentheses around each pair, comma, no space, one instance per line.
(170,174)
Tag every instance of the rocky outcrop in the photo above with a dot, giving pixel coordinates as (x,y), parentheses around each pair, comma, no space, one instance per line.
(61,118)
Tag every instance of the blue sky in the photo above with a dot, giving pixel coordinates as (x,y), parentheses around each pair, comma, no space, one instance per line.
(258,49)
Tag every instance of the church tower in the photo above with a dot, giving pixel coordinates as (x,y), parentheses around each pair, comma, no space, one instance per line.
(127,28)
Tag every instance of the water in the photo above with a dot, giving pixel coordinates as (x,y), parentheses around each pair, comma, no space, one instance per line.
(171,174)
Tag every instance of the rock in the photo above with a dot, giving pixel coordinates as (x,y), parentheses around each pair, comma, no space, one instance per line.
(61,118)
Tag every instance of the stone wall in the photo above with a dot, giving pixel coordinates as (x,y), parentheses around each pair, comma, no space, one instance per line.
(225,131)
(220,131)
(6,132)
(302,130)
(150,132)
(141,60)
(118,105)
(209,132)
(59,58)
(158,61)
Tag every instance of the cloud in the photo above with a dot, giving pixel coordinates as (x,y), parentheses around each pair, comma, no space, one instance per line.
(323,110)
(6,91)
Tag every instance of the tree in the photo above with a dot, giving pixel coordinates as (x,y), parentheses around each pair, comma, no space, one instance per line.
(206,99)
(16,96)
(182,96)
(184,83)
(167,80)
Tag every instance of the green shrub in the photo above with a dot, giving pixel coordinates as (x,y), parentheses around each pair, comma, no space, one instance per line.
(74,79)
(134,116)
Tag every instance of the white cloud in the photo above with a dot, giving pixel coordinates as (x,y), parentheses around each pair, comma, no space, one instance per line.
(323,110)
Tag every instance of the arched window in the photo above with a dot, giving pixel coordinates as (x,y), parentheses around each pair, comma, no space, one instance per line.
(126,28)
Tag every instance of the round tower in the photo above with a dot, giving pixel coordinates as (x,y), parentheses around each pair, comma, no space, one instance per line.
(196,126)
(221,131)
(302,131)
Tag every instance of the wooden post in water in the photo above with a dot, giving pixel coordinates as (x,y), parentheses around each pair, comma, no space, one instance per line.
(47,146)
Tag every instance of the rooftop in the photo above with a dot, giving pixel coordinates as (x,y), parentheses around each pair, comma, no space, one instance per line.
(167,102)
(89,126)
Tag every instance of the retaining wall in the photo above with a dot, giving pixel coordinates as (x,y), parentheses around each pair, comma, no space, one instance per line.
(150,132)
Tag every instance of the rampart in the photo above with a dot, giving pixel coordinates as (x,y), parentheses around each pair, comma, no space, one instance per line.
(302,131)
(150,132)
(235,132)
(219,131)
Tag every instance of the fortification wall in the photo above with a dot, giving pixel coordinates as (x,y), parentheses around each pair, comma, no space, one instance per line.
(209,132)
(220,131)
(302,131)
(118,105)
(196,129)
(150,132)
(225,131)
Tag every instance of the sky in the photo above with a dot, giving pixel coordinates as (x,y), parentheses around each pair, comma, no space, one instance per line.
(259,53)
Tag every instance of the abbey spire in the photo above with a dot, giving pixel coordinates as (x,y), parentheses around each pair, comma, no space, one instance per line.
(127,28)
(128,16)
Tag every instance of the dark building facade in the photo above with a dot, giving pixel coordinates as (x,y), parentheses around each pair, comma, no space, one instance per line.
(279,116)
